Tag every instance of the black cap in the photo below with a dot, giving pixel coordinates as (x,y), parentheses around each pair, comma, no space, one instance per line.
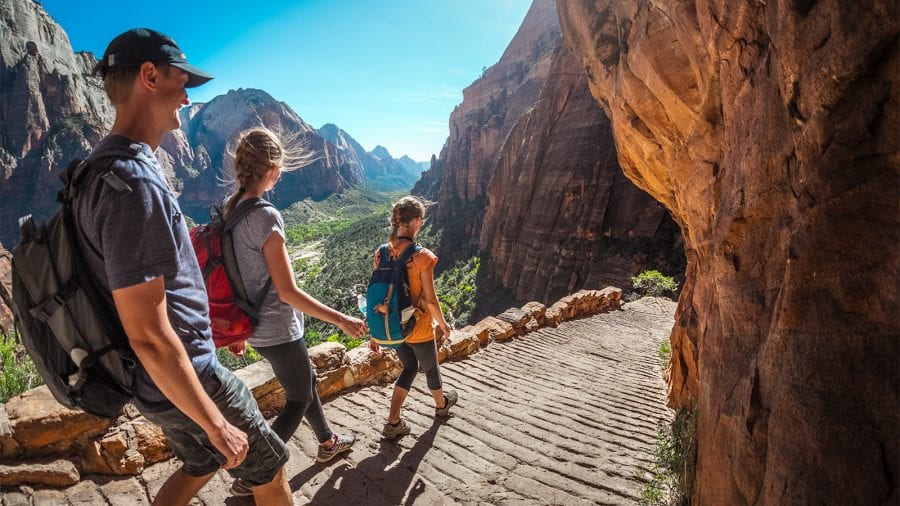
(138,45)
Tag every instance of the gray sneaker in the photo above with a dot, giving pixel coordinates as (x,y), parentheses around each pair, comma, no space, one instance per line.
(342,443)
(394,431)
(450,399)
(239,488)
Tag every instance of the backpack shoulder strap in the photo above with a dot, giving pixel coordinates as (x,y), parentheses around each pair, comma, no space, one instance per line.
(383,254)
(78,169)
(243,209)
(408,253)
(232,271)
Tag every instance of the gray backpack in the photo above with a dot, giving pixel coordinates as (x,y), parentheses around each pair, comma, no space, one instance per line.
(67,325)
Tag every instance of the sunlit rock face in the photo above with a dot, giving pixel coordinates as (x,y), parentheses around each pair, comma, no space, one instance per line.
(771,131)
(211,131)
(51,110)
(529,177)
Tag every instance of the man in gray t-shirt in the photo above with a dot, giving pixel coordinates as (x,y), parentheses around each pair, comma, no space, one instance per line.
(134,237)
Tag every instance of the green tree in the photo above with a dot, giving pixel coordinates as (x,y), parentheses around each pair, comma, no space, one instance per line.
(653,283)
(17,371)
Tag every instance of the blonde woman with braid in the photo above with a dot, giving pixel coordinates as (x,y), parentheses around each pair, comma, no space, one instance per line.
(261,254)
(420,347)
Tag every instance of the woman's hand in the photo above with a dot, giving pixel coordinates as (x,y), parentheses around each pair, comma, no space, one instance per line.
(445,333)
(237,348)
(374,347)
(353,327)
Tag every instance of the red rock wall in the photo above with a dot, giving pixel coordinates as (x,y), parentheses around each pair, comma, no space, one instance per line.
(557,191)
(771,131)
(481,123)
(529,177)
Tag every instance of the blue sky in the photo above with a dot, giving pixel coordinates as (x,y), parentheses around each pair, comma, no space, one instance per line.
(388,72)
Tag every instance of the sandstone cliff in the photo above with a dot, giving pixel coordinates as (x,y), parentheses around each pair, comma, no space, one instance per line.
(771,131)
(209,133)
(530,177)
(51,111)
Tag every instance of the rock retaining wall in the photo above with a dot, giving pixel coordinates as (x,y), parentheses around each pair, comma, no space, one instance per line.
(44,443)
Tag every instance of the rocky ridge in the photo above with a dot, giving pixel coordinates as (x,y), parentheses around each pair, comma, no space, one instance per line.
(770,130)
(377,166)
(209,132)
(51,111)
(529,176)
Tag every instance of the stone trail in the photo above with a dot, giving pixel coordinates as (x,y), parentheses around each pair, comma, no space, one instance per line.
(565,415)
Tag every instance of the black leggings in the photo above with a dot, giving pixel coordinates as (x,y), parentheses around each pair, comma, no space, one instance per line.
(413,354)
(290,362)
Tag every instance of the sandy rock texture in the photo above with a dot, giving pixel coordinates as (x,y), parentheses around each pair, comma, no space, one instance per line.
(770,130)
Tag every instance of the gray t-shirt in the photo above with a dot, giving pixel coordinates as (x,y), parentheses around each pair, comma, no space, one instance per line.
(136,233)
(278,322)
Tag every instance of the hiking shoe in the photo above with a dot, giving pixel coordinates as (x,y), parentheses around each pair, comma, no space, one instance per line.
(394,431)
(450,399)
(239,488)
(341,444)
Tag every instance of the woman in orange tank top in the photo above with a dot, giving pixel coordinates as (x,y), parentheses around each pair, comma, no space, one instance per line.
(420,347)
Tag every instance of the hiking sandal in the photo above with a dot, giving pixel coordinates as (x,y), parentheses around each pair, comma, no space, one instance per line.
(390,432)
(450,398)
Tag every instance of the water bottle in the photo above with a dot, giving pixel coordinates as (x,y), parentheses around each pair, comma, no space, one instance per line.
(361,303)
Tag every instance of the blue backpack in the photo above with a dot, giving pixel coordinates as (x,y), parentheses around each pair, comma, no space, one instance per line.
(389,305)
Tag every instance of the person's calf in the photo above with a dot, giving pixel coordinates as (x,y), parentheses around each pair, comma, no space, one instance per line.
(276,492)
(180,488)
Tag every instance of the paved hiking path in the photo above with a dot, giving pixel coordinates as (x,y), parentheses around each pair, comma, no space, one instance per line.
(564,415)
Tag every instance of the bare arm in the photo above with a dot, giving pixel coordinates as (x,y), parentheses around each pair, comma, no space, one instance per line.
(142,309)
(431,301)
(279,264)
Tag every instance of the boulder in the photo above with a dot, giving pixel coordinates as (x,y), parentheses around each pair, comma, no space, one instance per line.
(497,330)
(333,381)
(368,368)
(9,447)
(328,355)
(55,473)
(461,344)
(260,379)
(553,315)
(37,421)
(535,310)
(481,333)
(151,442)
(515,317)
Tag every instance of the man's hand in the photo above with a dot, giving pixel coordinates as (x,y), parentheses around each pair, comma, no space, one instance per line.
(142,309)
(231,443)
(374,347)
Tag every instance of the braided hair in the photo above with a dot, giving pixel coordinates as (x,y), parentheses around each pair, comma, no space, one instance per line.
(404,211)
(258,150)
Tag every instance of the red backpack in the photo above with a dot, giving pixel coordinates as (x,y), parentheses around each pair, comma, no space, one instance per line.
(232,314)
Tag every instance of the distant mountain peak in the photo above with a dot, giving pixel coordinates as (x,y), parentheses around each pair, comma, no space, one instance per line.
(380,152)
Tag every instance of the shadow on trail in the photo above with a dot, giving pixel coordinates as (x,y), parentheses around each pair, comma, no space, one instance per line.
(379,479)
